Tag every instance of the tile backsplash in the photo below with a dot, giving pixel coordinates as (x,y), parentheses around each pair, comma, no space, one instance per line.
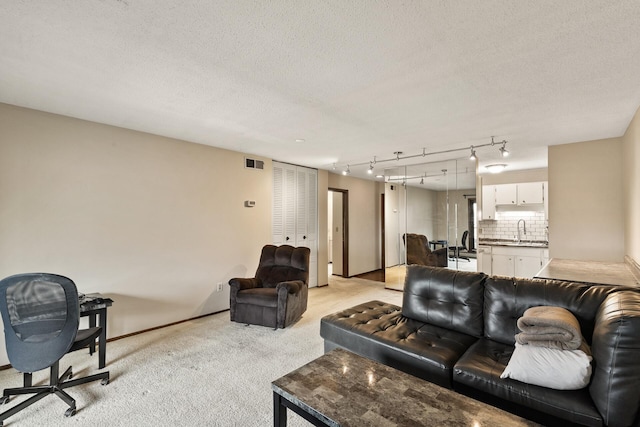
(505,227)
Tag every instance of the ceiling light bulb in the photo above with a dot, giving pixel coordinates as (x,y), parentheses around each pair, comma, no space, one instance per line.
(473,157)
(347,171)
(503,150)
(370,171)
(497,168)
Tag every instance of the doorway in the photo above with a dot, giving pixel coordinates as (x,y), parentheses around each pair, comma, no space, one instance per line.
(338,232)
(472,211)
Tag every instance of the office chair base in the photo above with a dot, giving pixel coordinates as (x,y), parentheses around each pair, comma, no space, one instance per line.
(57,386)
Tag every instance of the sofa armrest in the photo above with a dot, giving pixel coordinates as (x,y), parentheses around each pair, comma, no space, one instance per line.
(240,283)
(616,351)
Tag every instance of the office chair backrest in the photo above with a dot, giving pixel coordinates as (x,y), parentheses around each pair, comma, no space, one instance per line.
(281,264)
(464,239)
(41,316)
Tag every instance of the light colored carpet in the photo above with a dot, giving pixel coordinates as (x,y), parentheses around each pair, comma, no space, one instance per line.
(205,372)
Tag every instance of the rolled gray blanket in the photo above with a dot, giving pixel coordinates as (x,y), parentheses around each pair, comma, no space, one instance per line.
(552,327)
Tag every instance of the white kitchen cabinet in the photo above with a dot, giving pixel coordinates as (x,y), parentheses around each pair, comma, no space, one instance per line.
(517,261)
(506,194)
(527,266)
(488,202)
(484,259)
(502,265)
(530,193)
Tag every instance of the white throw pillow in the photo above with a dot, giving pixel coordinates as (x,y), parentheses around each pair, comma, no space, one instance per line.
(549,367)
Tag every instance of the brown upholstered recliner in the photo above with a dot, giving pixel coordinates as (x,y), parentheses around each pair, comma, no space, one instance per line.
(418,251)
(277,295)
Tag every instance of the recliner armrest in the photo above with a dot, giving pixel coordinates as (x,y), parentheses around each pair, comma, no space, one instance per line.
(441,251)
(240,283)
(292,286)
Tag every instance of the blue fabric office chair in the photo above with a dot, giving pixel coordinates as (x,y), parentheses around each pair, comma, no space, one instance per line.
(41,315)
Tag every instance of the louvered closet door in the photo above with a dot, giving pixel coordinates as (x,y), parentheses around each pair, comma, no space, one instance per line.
(277,230)
(307,217)
(312,224)
(295,210)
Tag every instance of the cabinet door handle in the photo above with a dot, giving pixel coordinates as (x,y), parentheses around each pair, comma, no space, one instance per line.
(304,237)
(287,238)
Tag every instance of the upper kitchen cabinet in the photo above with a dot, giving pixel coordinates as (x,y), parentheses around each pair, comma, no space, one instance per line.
(506,194)
(488,202)
(530,193)
(520,194)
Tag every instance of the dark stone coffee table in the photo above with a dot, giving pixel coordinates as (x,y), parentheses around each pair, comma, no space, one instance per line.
(344,389)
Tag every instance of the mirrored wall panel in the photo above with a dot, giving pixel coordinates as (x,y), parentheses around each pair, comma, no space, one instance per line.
(430,217)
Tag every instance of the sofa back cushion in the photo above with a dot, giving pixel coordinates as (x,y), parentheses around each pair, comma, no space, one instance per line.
(506,299)
(446,298)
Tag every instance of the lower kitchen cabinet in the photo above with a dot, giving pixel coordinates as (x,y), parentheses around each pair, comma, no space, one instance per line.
(517,261)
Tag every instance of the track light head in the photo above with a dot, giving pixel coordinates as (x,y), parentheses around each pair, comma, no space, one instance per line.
(370,171)
(473,156)
(503,150)
(347,171)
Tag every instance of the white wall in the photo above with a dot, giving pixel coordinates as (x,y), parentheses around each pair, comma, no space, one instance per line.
(421,211)
(510,177)
(586,215)
(631,185)
(152,222)
(364,221)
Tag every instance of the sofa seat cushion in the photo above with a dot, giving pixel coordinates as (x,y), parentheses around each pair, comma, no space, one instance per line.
(267,297)
(480,368)
(379,331)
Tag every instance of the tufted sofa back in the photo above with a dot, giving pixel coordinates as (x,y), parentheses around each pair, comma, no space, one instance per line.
(282,264)
(446,298)
(506,299)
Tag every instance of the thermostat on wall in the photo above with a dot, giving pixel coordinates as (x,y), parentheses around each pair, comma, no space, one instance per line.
(249,203)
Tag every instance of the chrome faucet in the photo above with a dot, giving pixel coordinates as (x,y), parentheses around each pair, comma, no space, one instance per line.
(524,228)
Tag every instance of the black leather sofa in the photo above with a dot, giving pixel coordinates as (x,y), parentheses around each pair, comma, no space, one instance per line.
(457,329)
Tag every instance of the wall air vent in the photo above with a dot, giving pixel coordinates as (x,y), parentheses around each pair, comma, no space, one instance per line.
(253,164)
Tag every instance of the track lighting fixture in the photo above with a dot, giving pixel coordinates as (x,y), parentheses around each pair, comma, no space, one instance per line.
(398,155)
(422,181)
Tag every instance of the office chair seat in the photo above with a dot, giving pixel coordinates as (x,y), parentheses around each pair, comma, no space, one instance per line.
(41,315)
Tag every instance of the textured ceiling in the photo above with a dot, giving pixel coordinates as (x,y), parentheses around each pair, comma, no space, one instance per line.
(354,79)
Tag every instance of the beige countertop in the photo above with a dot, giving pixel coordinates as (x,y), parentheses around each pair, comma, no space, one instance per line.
(608,273)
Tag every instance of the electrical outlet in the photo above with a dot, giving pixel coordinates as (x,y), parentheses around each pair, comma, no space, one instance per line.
(220,287)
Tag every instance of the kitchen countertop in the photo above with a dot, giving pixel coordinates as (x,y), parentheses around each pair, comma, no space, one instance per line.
(522,244)
(592,272)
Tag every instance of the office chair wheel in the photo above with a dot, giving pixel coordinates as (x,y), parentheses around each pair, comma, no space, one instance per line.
(104,381)
(4,400)
(70,412)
